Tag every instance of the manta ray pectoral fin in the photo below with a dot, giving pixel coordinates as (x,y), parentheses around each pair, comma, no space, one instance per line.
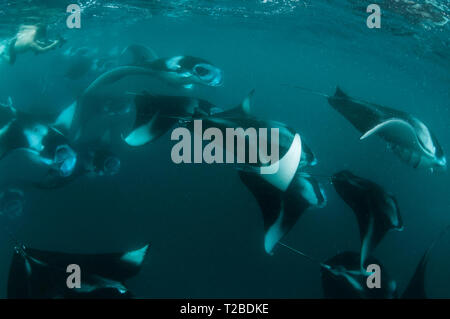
(243,109)
(303,193)
(281,173)
(65,118)
(118,266)
(280,210)
(31,277)
(115,75)
(148,132)
(246,104)
(395,131)
(140,136)
(270,202)
(135,257)
(367,243)
(274,233)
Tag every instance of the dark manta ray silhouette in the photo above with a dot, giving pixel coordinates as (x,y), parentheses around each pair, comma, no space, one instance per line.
(37,138)
(41,274)
(182,71)
(283,196)
(377,212)
(157,114)
(342,278)
(282,209)
(179,70)
(39,142)
(408,137)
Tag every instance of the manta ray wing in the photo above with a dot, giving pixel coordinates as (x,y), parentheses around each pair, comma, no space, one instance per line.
(376,211)
(65,119)
(281,210)
(270,202)
(30,277)
(155,115)
(150,131)
(396,131)
(115,266)
(281,173)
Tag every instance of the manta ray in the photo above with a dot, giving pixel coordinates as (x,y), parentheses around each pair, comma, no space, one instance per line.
(342,278)
(39,274)
(376,211)
(184,71)
(157,114)
(408,137)
(282,209)
(282,196)
(40,140)
(179,71)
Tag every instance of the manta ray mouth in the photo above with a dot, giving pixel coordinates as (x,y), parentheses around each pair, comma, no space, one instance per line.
(65,159)
(208,74)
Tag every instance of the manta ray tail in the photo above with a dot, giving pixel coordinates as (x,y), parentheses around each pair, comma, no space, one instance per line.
(416,286)
(304,89)
(338,93)
(314,260)
(325,177)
